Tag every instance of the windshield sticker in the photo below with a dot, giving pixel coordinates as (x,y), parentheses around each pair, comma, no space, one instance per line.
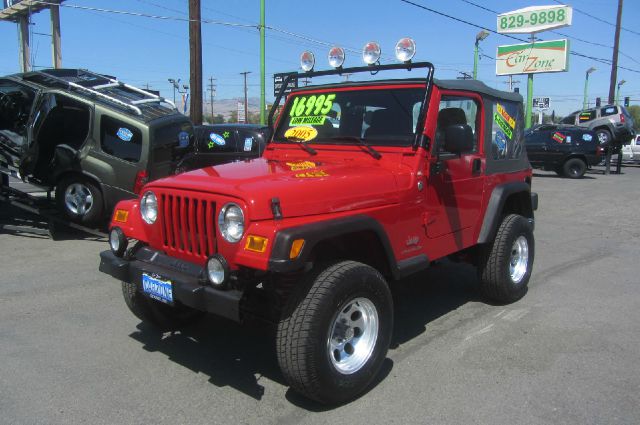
(307,106)
(503,125)
(248,143)
(558,137)
(124,134)
(585,116)
(302,165)
(312,174)
(315,120)
(610,111)
(183,139)
(501,144)
(587,137)
(217,139)
(301,134)
(226,134)
(503,113)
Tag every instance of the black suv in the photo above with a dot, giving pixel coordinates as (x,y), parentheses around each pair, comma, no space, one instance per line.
(93,138)
(221,143)
(566,149)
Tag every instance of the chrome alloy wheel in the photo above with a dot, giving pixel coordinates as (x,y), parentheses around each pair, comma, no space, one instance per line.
(78,199)
(519,260)
(353,335)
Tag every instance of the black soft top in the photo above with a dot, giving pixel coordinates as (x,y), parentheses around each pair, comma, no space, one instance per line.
(467,85)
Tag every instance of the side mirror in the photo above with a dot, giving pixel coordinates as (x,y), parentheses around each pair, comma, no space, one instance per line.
(458,138)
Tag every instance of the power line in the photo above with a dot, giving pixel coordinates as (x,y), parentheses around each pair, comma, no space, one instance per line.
(599,19)
(573,52)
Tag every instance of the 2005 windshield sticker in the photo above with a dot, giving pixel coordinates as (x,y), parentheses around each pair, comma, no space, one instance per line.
(310,110)
(301,134)
(504,121)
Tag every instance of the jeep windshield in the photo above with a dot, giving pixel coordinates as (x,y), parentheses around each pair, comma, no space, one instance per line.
(380,116)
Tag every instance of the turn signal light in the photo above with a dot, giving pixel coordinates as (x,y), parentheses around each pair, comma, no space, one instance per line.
(296,248)
(256,244)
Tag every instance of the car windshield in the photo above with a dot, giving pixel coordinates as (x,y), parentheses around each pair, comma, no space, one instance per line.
(381,116)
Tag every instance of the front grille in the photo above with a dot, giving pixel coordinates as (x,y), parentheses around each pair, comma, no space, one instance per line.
(187,225)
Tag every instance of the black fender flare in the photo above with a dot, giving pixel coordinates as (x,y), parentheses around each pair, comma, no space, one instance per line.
(315,233)
(493,212)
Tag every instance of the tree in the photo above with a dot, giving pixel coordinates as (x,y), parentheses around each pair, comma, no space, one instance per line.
(634,110)
(233,117)
(218,119)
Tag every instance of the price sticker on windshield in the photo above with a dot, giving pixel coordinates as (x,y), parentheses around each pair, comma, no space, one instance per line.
(310,110)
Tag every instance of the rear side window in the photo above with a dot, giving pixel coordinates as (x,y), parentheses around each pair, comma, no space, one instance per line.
(587,116)
(216,140)
(120,139)
(609,110)
(571,119)
(506,130)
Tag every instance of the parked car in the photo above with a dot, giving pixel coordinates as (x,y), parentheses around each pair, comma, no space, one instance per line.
(631,152)
(221,143)
(566,149)
(612,124)
(94,139)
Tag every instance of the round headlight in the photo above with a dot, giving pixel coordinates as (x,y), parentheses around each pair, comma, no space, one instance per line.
(336,57)
(217,270)
(371,53)
(307,61)
(405,49)
(149,207)
(231,222)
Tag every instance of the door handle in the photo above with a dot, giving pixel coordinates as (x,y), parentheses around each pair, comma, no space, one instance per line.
(476,167)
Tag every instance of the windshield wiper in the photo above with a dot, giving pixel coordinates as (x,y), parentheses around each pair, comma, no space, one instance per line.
(303,144)
(374,153)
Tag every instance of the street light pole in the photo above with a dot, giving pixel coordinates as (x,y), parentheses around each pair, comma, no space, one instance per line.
(621,82)
(176,85)
(586,87)
(479,37)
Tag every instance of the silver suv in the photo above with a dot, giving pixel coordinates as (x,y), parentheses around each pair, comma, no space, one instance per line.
(612,124)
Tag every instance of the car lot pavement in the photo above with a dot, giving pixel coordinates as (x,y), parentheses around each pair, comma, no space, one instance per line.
(70,351)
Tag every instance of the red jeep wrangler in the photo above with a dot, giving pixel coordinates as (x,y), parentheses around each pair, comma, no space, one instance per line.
(362,184)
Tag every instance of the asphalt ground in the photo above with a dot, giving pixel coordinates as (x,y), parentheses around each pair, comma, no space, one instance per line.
(568,352)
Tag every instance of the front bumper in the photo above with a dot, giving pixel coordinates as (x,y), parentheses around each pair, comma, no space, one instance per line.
(188,282)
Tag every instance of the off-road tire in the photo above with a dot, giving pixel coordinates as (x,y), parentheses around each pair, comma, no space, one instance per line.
(95,215)
(574,168)
(303,336)
(161,316)
(496,282)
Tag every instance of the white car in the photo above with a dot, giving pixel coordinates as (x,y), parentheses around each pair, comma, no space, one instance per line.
(631,152)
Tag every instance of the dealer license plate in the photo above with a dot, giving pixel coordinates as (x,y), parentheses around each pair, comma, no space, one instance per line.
(157,288)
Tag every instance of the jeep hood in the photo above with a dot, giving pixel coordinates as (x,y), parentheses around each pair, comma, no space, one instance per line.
(304,186)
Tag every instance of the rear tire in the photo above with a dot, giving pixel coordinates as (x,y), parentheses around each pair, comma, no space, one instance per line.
(335,331)
(506,263)
(80,200)
(574,168)
(161,316)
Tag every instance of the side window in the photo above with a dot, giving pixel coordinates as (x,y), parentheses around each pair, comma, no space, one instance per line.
(587,116)
(120,139)
(536,137)
(217,140)
(609,110)
(457,110)
(16,101)
(571,119)
(506,130)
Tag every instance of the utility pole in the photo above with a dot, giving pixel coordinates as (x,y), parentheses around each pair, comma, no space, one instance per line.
(195,61)
(246,103)
(510,83)
(614,60)
(262,72)
(56,49)
(212,92)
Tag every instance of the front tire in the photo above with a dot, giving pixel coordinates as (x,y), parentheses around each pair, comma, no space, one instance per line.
(335,331)
(506,263)
(80,200)
(161,316)
(574,168)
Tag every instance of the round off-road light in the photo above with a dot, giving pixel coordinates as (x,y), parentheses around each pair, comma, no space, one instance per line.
(217,270)
(371,53)
(336,57)
(405,49)
(307,61)
(117,241)
(149,207)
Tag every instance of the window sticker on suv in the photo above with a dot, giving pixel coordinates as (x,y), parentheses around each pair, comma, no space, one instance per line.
(301,134)
(558,137)
(216,139)
(586,116)
(507,141)
(587,137)
(504,121)
(124,134)
(311,110)
(183,139)
(248,143)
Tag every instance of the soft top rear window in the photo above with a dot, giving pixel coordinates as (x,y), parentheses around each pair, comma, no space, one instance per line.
(386,116)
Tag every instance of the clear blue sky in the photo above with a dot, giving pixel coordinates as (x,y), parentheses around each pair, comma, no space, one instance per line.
(143,50)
